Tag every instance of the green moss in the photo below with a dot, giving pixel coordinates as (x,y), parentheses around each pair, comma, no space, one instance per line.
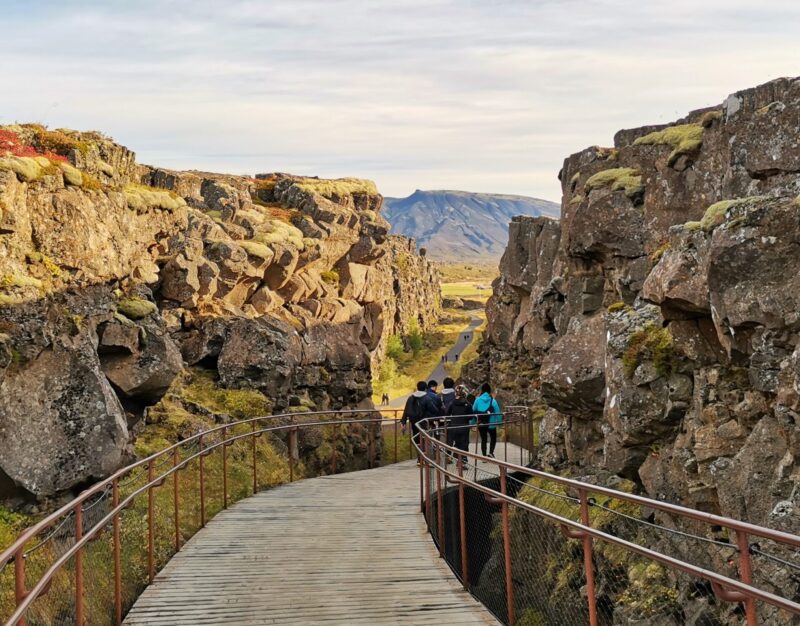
(48,263)
(653,343)
(11,525)
(684,139)
(331,277)
(19,280)
(136,308)
(577,199)
(616,306)
(276,231)
(214,215)
(649,591)
(693,225)
(338,187)
(253,248)
(142,198)
(72,175)
(625,179)
(204,389)
(709,118)
(369,215)
(27,169)
(715,214)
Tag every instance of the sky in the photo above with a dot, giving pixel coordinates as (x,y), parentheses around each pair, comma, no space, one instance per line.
(477,95)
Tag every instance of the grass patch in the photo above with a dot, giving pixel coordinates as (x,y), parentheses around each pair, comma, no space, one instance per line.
(625,179)
(684,139)
(478,290)
(482,273)
(337,187)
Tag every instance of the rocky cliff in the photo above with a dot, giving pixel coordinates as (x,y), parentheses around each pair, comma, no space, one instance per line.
(116,276)
(656,327)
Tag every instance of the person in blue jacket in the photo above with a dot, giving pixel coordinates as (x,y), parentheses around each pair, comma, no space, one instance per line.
(488,412)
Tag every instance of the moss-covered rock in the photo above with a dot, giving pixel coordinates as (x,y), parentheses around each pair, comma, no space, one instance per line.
(652,343)
(136,308)
(141,198)
(684,139)
(625,179)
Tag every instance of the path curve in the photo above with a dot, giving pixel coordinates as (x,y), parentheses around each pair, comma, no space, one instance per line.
(342,549)
(465,338)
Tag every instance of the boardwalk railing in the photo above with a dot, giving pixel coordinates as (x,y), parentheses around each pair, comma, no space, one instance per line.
(557,550)
(88,561)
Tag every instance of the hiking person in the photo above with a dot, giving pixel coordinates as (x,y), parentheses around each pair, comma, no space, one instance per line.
(414,411)
(448,393)
(434,407)
(460,414)
(488,411)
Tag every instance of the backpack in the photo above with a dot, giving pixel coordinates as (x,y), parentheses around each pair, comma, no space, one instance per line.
(417,411)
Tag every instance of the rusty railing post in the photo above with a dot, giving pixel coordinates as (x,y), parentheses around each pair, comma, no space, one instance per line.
(202,484)
(336,430)
(395,436)
(587,559)
(371,444)
(19,582)
(506,428)
(746,574)
(151,562)
(175,499)
(255,460)
(117,556)
(462,521)
(292,444)
(507,548)
(427,481)
(79,610)
(439,507)
(421,486)
(519,429)
(225,467)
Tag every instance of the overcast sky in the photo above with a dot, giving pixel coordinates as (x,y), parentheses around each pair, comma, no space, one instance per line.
(480,95)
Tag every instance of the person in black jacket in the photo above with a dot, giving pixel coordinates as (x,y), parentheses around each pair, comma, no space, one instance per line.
(448,393)
(459,412)
(434,408)
(415,410)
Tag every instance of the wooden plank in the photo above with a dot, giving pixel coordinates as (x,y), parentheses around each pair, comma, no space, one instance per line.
(344,549)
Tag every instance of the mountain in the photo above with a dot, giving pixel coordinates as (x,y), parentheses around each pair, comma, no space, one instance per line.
(459,224)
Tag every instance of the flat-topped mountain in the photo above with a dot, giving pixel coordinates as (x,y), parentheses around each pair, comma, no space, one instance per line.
(460,224)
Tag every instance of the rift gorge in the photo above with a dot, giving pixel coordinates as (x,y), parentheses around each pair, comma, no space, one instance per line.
(644,348)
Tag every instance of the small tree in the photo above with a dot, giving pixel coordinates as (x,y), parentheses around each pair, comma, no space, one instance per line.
(394,347)
(415,339)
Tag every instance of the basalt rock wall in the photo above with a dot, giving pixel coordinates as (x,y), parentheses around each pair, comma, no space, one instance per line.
(115,276)
(655,327)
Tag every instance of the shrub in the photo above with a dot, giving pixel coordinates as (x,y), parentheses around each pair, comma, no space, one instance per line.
(684,139)
(416,341)
(394,347)
(56,141)
(90,183)
(12,145)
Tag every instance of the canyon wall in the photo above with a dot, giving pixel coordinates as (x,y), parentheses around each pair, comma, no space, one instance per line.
(115,277)
(655,327)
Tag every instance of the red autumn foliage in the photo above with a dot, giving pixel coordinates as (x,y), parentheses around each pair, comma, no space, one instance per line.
(12,145)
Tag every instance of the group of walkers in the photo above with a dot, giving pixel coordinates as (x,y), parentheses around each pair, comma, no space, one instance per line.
(461,408)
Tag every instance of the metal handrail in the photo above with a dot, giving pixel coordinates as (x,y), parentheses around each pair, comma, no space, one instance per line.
(726,589)
(16,551)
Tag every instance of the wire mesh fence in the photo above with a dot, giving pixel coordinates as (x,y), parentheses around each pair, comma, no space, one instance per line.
(528,558)
(163,502)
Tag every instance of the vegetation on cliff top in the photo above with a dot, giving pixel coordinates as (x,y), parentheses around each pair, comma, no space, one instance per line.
(625,179)
(684,139)
(338,187)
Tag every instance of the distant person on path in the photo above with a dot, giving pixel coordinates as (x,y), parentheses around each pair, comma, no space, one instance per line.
(414,411)
(460,414)
(385,399)
(488,411)
(448,393)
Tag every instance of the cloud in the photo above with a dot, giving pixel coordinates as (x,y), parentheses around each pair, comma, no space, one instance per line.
(484,95)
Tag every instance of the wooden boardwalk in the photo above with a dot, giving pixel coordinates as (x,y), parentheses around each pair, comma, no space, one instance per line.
(344,549)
